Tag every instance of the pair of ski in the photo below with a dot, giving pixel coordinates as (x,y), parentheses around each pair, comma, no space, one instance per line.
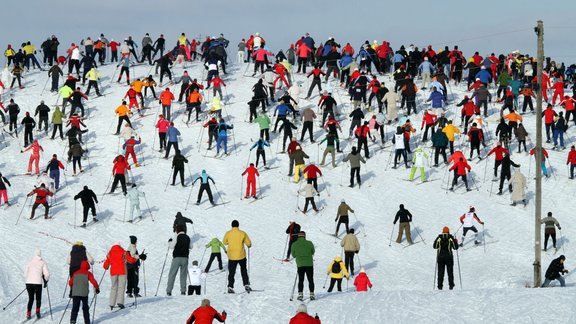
(93,221)
(305,212)
(214,205)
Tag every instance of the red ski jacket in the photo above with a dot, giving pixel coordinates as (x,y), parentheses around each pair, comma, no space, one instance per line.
(312,171)
(498,152)
(205,315)
(362,282)
(116,260)
(461,167)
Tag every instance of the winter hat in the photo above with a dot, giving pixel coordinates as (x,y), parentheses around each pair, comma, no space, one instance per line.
(302,308)
(343,201)
(549,213)
(37,252)
(133,239)
(362,270)
(401,206)
(351,231)
(85,187)
(178,214)
(27,114)
(194,263)
(445,230)
(79,243)
(562,257)
(302,234)
(205,302)
(235,223)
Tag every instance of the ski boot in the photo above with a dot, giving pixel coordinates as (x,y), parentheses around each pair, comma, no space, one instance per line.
(312,297)
(300,296)
(247,288)
(231,290)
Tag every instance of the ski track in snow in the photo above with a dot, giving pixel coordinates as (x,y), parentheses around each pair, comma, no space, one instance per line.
(493,282)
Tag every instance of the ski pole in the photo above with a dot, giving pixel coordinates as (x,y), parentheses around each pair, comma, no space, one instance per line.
(391,233)
(49,301)
(417,231)
(94,309)
(484,237)
(148,206)
(10,303)
(361,224)
(65,309)
(144,273)
(168,181)
(66,287)
(325,280)
(124,214)
(74,214)
(459,272)
(162,272)
(325,185)
(202,258)
(218,191)
(359,262)
(294,287)
(241,187)
(189,195)
(562,238)
(99,282)
(21,210)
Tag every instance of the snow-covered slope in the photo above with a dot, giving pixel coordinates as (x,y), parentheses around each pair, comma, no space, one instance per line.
(493,281)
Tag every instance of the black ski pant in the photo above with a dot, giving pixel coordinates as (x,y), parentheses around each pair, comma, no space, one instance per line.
(120,119)
(309,273)
(43,120)
(205,187)
(333,281)
(445,264)
(505,176)
(455,181)
(14,124)
(55,79)
(278,120)
(28,136)
(474,146)
(411,104)
(184,91)
(260,153)
(425,135)
(314,182)
(151,89)
(86,209)
(354,172)
(528,102)
(292,240)
(170,144)
(307,127)
(46,209)
(302,61)
(400,153)
(162,140)
(342,220)
(363,143)
(217,256)
(349,261)
(76,160)
(437,152)
(547,235)
(59,128)
(18,78)
(93,83)
(34,293)
(232,264)
(119,178)
(309,200)
(497,163)
(132,278)
(76,300)
(316,82)
(175,174)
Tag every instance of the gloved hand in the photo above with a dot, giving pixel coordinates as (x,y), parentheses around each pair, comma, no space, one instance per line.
(456,241)
(169,240)
(224,313)
(317,317)
(45,282)
(143,256)
(97,291)
(559,228)
(70,293)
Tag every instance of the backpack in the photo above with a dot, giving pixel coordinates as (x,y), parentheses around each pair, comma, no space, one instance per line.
(336,267)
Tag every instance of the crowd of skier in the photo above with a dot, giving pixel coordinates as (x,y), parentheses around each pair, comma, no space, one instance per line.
(382,117)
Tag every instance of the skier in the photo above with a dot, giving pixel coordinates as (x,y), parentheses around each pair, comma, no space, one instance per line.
(123,113)
(399,141)
(41,194)
(116,260)
(309,193)
(165,99)
(222,131)
(429,119)
(128,148)
(555,271)
(180,222)
(467,221)
(194,102)
(355,158)
(13,111)
(133,195)
(37,276)
(405,217)
(251,173)
(499,153)
(260,152)
(451,130)
(505,173)
(206,314)
(3,190)
(316,81)
(79,290)
(42,110)
(362,282)
(445,243)
(212,125)
(29,125)
(298,156)
(439,142)
(331,141)
(53,166)
(172,133)
(235,239)
(77,255)
(362,133)
(178,166)
(118,171)
(571,160)
(57,117)
(518,187)
(549,230)
(337,271)
(302,316)
(162,124)
(286,128)
(342,216)
(311,173)
(419,160)
(460,168)
(88,198)
(475,136)
(133,269)
(303,251)
(204,186)
(125,63)
(215,245)
(196,277)
(544,155)
(351,247)
(292,231)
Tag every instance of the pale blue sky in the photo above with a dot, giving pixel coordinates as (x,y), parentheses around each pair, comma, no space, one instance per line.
(419,22)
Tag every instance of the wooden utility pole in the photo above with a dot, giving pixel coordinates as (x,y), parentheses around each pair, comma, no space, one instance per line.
(539,29)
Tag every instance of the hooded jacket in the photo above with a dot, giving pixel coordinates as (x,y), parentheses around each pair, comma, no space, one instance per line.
(36,270)
(116,260)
